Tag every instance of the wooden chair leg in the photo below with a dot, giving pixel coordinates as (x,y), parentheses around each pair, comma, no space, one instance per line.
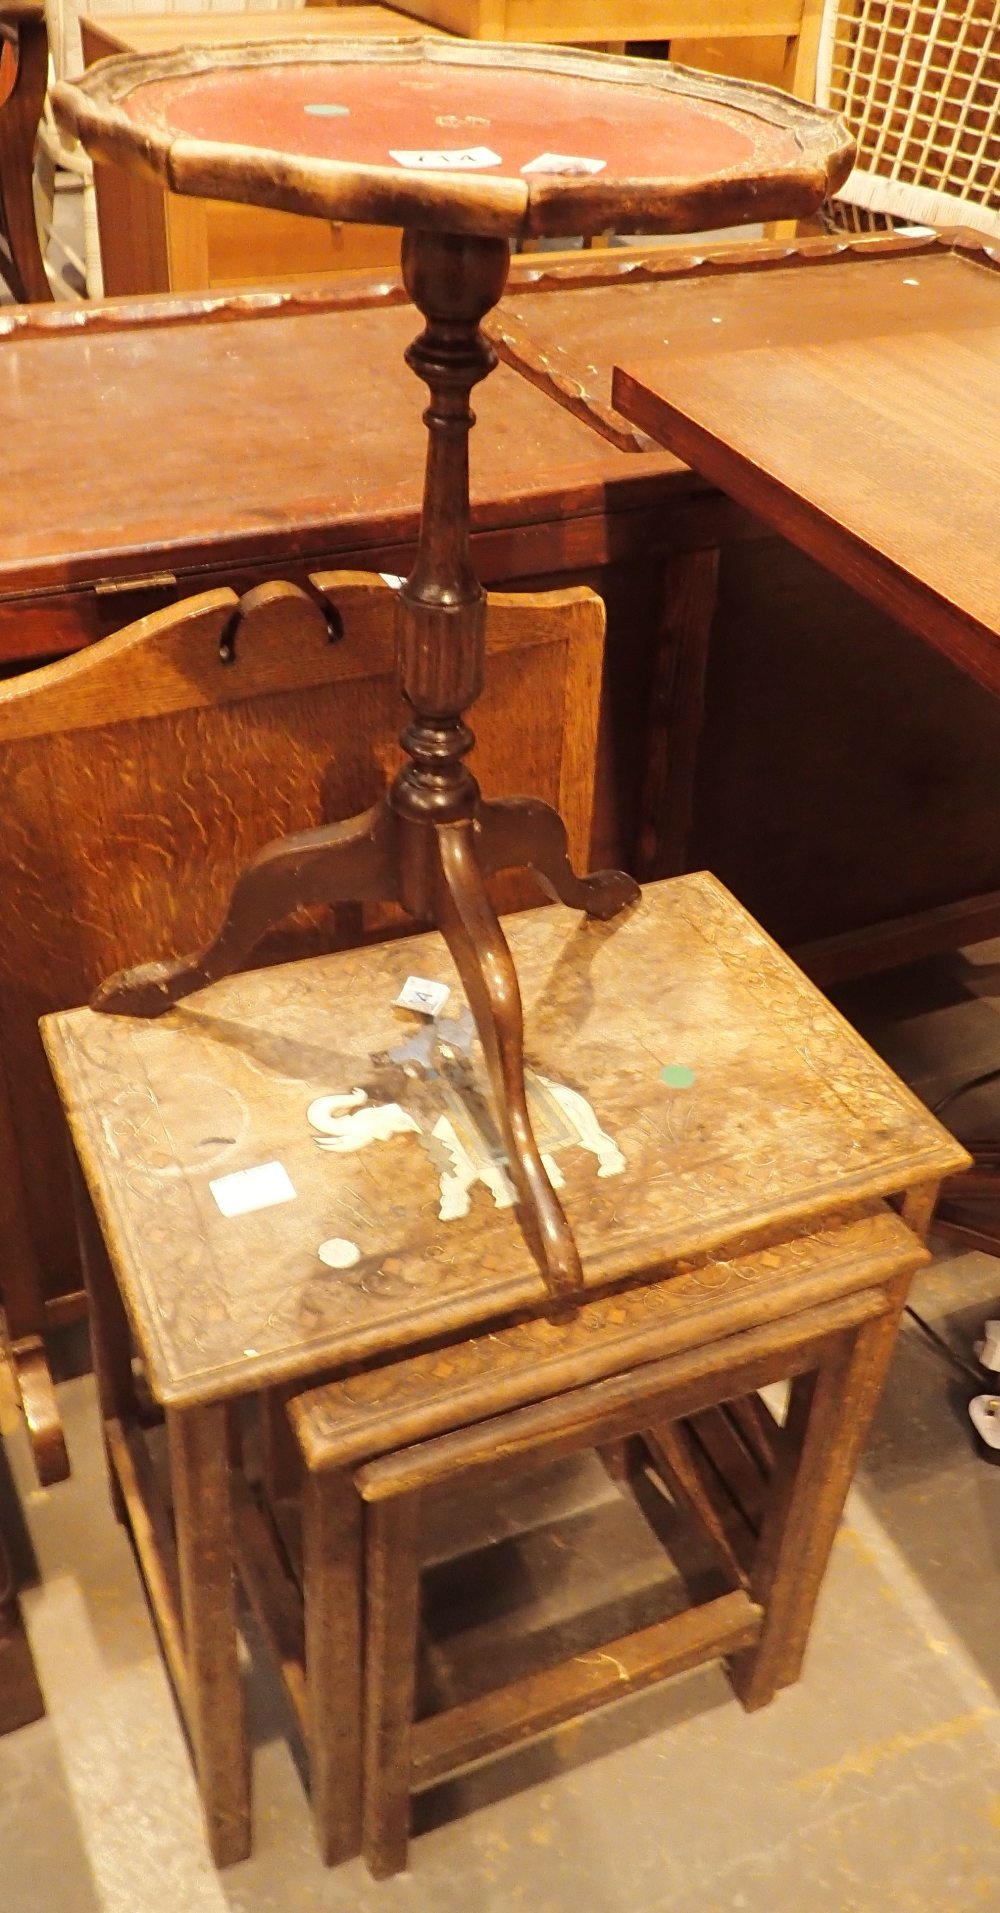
(23,1323)
(392,1588)
(20,1695)
(332,1577)
(828,1421)
(19,117)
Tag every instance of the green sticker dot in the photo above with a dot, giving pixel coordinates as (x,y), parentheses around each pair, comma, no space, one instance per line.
(677,1075)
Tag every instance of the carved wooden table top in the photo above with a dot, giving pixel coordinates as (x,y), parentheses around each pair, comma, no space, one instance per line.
(461,136)
(693,1094)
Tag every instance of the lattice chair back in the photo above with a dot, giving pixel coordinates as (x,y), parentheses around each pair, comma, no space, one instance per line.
(918,82)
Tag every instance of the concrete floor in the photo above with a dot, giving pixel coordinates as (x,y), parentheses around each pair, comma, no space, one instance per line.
(875,1783)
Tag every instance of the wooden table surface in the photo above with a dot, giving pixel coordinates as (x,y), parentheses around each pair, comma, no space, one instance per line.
(736,1108)
(288,425)
(873,446)
(296,430)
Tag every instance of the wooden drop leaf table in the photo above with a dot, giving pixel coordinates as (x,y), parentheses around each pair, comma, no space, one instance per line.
(468,147)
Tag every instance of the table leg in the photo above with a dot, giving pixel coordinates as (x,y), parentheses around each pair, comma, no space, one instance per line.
(392,1620)
(200,1481)
(829,1417)
(110,1338)
(482,958)
(332,1579)
(522,833)
(352,862)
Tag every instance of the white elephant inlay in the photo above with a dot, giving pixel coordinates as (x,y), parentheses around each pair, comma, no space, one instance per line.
(461,1139)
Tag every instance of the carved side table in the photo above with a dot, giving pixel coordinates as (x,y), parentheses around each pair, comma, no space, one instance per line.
(466,146)
(292,1177)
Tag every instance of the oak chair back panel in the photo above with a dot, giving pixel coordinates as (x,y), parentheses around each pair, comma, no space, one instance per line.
(139,777)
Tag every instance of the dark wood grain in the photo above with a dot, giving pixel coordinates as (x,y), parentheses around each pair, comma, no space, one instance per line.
(333,1567)
(902,506)
(546,495)
(362,1417)
(24,60)
(213,1694)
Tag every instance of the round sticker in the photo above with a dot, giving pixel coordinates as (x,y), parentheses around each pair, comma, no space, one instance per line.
(677,1075)
(338,1252)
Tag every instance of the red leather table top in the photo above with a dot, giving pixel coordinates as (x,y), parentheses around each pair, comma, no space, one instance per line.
(518,116)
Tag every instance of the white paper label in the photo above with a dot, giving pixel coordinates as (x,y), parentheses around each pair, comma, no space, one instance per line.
(451,159)
(391,579)
(565,163)
(418,993)
(248,1189)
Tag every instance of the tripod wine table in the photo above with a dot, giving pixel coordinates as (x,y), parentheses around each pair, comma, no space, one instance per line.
(467,146)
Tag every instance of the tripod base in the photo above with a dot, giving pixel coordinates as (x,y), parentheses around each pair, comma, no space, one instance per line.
(438,869)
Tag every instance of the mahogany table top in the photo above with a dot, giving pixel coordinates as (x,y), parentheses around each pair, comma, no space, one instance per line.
(875,446)
(696,1095)
(228,396)
(296,430)
(461,135)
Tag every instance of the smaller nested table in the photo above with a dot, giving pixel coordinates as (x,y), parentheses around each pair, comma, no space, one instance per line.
(292,1176)
(663,1379)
